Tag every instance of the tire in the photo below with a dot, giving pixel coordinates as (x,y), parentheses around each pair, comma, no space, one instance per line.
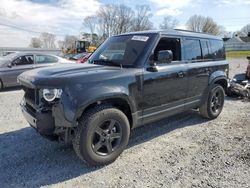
(213,105)
(102,135)
(1,85)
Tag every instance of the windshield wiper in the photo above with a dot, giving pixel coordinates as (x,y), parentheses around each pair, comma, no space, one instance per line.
(105,62)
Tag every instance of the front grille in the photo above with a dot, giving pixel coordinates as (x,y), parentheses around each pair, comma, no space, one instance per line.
(32,95)
(31,109)
(34,101)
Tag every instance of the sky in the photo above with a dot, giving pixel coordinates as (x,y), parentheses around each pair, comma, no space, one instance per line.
(20,20)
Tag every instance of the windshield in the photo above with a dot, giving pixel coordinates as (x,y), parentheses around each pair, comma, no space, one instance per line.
(7,58)
(121,50)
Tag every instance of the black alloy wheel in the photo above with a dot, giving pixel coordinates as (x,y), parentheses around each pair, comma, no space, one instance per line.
(217,101)
(213,104)
(101,136)
(106,137)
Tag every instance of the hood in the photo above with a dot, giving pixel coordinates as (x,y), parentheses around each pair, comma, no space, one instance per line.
(62,74)
(3,62)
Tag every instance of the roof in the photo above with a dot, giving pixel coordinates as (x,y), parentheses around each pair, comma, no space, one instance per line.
(245,39)
(17,54)
(176,32)
(234,40)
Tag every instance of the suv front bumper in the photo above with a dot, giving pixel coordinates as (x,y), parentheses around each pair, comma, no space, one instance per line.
(43,122)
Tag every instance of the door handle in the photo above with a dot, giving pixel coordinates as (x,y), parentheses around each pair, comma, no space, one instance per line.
(207,70)
(180,74)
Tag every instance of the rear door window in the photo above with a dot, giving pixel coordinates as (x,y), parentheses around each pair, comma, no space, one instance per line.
(205,49)
(42,59)
(192,50)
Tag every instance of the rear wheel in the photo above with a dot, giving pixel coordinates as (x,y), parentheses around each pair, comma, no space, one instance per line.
(102,135)
(1,85)
(214,103)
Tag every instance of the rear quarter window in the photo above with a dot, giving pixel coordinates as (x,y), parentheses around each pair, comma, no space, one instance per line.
(217,50)
(40,59)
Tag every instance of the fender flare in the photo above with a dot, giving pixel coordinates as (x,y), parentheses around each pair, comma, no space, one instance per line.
(215,77)
(110,96)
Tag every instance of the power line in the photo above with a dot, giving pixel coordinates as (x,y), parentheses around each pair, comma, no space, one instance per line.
(26,30)
(20,28)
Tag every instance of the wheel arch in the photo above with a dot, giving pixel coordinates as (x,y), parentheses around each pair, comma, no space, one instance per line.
(220,80)
(120,102)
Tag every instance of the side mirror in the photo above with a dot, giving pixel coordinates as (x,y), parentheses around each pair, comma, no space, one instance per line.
(153,67)
(165,56)
(9,65)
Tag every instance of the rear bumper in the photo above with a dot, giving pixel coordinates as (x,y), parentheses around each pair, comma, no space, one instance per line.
(43,122)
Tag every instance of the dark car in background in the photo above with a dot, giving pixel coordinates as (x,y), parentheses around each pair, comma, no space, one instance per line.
(84,58)
(78,56)
(16,63)
(67,56)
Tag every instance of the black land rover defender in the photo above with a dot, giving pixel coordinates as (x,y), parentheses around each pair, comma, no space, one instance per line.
(130,80)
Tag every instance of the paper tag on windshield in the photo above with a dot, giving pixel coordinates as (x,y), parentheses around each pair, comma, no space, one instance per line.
(140,38)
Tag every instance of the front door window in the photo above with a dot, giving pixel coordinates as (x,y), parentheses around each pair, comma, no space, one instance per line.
(23,60)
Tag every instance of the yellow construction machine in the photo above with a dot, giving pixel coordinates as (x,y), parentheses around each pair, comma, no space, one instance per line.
(79,47)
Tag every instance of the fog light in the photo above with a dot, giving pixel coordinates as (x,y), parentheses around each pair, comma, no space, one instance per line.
(51,94)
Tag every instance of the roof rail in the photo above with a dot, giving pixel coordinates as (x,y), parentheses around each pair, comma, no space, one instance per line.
(192,31)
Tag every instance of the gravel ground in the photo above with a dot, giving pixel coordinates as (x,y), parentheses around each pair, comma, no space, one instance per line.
(181,151)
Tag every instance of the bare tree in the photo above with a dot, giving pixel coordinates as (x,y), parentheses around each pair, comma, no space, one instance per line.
(114,19)
(246,30)
(35,43)
(69,41)
(141,20)
(169,22)
(117,19)
(123,19)
(90,22)
(106,19)
(48,40)
(203,24)
(61,44)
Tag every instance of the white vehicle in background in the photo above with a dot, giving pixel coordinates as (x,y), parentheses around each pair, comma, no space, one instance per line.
(16,63)
(4,53)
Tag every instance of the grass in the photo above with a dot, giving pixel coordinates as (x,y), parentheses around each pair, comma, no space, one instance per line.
(237,54)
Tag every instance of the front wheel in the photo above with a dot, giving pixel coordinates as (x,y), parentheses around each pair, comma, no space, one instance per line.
(102,135)
(214,102)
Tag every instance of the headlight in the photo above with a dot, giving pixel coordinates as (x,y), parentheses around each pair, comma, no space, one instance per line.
(51,94)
